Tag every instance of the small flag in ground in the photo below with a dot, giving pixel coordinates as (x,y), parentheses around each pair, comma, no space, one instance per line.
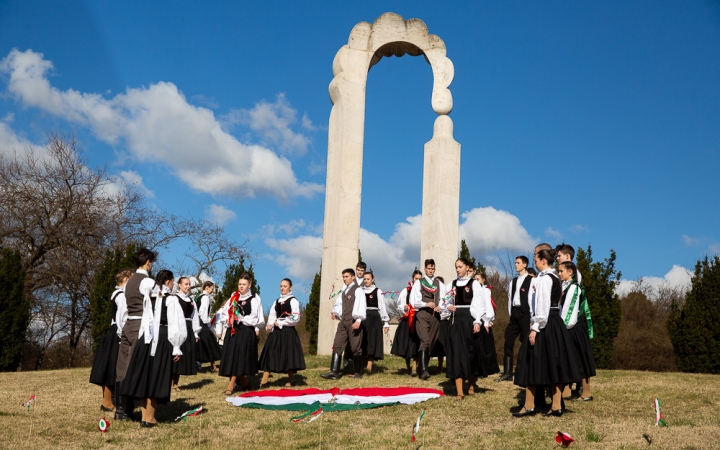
(564,439)
(186,414)
(416,429)
(29,402)
(658,414)
(308,416)
(103,425)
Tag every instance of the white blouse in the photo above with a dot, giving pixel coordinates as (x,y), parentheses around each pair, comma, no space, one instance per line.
(480,302)
(204,310)
(359,311)
(285,321)
(177,331)
(381,304)
(121,312)
(447,298)
(543,292)
(402,298)
(254,319)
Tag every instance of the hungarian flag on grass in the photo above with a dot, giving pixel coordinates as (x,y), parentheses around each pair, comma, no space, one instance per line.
(333,399)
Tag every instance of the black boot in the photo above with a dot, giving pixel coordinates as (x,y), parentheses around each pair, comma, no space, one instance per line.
(119,406)
(129,406)
(507,372)
(358,363)
(334,373)
(422,365)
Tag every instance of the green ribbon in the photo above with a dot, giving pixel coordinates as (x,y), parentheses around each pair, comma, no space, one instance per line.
(572,302)
(585,310)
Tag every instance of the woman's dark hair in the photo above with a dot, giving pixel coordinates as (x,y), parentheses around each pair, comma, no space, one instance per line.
(416,272)
(162,277)
(207,284)
(464,261)
(369,272)
(182,278)
(288,280)
(569,265)
(245,276)
(548,255)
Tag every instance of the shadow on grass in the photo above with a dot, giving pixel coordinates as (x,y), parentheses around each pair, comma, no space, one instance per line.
(198,384)
(168,413)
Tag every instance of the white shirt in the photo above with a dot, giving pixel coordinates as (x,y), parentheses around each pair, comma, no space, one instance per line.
(447,298)
(402,299)
(121,312)
(254,319)
(481,308)
(381,304)
(416,294)
(285,321)
(204,310)
(359,312)
(194,317)
(515,301)
(177,330)
(543,292)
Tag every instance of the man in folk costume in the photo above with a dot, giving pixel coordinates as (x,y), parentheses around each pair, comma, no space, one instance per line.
(350,309)
(425,296)
(137,288)
(360,269)
(519,312)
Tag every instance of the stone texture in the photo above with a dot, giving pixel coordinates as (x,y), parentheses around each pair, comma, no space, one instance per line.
(368,43)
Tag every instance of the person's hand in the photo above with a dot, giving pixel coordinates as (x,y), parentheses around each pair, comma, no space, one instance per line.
(217,335)
(333,316)
(276,323)
(356,326)
(386,330)
(531,337)
(437,309)
(197,339)
(487,328)
(452,308)
(269,328)
(405,308)
(176,358)
(476,328)
(430,305)
(257,332)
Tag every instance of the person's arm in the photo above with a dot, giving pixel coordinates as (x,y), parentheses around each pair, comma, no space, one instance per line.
(477,304)
(121,314)
(510,300)
(272,317)
(337,307)
(542,303)
(489,316)
(204,308)
(195,321)
(383,309)
(177,331)
(359,312)
(416,296)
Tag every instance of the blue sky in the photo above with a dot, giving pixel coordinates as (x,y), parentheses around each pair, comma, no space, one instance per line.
(589,123)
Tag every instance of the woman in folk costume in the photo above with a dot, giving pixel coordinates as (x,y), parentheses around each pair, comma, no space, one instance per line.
(103,368)
(283,352)
(188,364)
(208,349)
(574,304)
(243,315)
(548,356)
(470,316)
(161,336)
(485,339)
(405,344)
(376,322)
(441,309)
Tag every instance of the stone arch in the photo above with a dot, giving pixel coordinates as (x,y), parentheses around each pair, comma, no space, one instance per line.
(368,43)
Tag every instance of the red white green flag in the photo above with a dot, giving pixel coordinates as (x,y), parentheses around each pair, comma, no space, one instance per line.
(416,428)
(103,425)
(191,413)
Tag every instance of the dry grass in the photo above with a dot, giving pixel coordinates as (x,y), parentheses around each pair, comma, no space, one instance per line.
(66,413)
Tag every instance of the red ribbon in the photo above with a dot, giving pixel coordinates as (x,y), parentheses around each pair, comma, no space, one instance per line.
(232,317)
(410,314)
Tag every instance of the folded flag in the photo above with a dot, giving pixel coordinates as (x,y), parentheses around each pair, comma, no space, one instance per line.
(564,439)
(658,414)
(313,399)
(308,416)
(103,425)
(416,428)
(29,402)
(191,413)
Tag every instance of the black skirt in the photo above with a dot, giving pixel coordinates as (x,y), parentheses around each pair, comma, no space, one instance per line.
(439,347)
(405,344)
(552,360)
(103,368)
(460,348)
(583,348)
(373,344)
(208,349)
(240,352)
(282,352)
(188,362)
(487,356)
(150,376)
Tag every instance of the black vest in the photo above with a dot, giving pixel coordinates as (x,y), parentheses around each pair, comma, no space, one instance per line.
(463,294)
(372,299)
(113,305)
(133,297)
(163,309)
(556,292)
(187,307)
(524,291)
(246,305)
(283,309)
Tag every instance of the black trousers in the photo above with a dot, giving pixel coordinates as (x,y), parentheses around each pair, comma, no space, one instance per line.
(519,325)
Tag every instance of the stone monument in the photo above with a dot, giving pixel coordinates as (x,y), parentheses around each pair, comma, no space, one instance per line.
(389,35)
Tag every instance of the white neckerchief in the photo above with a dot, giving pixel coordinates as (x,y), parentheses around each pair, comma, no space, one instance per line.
(369,289)
(183,297)
(284,298)
(462,281)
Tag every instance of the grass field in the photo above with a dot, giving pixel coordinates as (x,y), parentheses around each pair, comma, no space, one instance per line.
(67,410)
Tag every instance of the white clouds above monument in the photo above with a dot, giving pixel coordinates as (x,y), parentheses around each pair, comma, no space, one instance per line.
(158,125)
(677,277)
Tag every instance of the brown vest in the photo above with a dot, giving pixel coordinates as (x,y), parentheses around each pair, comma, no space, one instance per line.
(133,297)
(431,297)
(348,301)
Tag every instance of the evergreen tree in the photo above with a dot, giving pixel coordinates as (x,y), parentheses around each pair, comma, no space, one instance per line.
(599,280)
(312,313)
(104,285)
(14,310)
(465,253)
(229,285)
(693,327)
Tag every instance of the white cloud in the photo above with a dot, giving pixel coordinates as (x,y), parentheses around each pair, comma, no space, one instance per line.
(677,277)
(307,123)
(291,227)
(273,122)
(159,125)
(134,179)
(486,231)
(553,233)
(690,241)
(9,141)
(577,228)
(219,214)
(714,249)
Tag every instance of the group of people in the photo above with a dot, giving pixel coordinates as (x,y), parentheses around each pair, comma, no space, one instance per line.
(158,332)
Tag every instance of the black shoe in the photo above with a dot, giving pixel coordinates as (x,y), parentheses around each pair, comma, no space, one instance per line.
(358,363)
(119,403)
(422,365)
(104,409)
(587,399)
(144,424)
(554,412)
(507,370)
(525,412)
(334,373)
(505,377)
